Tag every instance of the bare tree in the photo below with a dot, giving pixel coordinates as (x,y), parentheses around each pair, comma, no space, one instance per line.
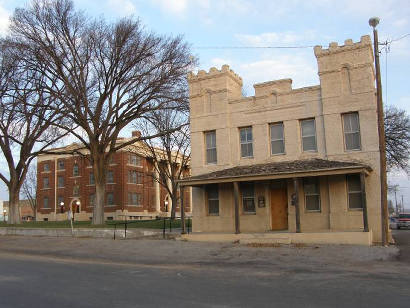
(106,75)
(29,187)
(26,124)
(397,130)
(170,152)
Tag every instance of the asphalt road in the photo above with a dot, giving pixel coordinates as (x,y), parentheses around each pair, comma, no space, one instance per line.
(33,280)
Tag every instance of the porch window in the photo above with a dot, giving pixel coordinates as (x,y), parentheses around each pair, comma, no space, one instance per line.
(91,200)
(60,181)
(246,142)
(134,198)
(213,199)
(110,177)
(351,129)
(110,198)
(312,194)
(308,135)
(354,191)
(248,197)
(46,183)
(46,204)
(210,140)
(76,171)
(276,138)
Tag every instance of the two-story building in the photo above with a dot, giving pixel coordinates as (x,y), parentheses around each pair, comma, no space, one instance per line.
(65,180)
(291,160)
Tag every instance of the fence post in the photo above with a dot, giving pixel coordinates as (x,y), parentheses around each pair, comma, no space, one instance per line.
(163,230)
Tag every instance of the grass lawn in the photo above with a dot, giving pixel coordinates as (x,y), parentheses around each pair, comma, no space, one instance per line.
(149,224)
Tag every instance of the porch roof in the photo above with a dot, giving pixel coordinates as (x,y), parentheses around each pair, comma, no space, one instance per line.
(277,170)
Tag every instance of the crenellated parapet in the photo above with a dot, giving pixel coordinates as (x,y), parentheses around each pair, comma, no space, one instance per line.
(334,48)
(215,73)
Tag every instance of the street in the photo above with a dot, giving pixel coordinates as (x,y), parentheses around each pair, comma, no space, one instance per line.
(53,272)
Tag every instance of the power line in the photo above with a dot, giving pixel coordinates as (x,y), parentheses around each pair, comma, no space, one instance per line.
(252,47)
(400,38)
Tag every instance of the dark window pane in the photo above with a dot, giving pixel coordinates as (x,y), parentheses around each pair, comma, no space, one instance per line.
(277,147)
(355,200)
(309,143)
(313,203)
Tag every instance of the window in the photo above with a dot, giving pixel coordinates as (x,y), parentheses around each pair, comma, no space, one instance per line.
(46,204)
(354,191)
(277,143)
(134,177)
(248,197)
(110,177)
(351,129)
(46,167)
(246,141)
(134,198)
(91,200)
(76,190)
(110,198)
(134,160)
(312,194)
(210,140)
(213,199)
(60,164)
(60,181)
(46,183)
(76,171)
(92,179)
(308,135)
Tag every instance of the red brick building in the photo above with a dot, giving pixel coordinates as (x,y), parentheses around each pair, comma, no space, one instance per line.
(66,181)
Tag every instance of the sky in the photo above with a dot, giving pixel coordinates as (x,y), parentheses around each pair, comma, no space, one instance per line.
(256,23)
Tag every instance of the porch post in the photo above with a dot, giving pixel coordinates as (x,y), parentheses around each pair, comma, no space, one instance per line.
(364,204)
(181,196)
(296,191)
(236,201)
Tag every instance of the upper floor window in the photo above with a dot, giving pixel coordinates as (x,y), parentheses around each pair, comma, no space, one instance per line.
(354,191)
(248,197)
(92,179)
(134,177)
(351,130)
(312,194)
(134,198)
(46,167)
(46,204)
(110,176)
(60,164)
(76,170)
(308,135)
(246,141)
(76,190)
(277,142)
(213,199)
(134,160)
(110,198)
(60,181)
(46,183)
(210,140)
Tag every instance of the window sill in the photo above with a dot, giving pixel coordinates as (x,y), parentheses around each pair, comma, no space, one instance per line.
(313,211)
(213,215)
(138,166)
(58,170)
(355,210)
(249,213)
(46,171)
(60,187)
(134,183)
(46,188)
(247,157)
(75,176)
(353,150)
(277,154)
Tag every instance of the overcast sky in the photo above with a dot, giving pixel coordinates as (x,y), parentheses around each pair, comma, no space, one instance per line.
(219,23)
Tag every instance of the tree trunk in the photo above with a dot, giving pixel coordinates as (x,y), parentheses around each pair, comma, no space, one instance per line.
(99,177)
(14,213)
(174,199)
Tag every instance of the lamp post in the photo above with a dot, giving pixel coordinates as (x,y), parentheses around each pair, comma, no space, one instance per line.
(373,22)
(4,215)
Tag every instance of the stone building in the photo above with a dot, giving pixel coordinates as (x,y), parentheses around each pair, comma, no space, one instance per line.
(295,160)
(66,181)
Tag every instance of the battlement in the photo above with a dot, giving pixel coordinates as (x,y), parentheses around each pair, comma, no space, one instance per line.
(214,72)
(365,42)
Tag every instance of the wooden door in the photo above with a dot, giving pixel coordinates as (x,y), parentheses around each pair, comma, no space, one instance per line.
(279,206)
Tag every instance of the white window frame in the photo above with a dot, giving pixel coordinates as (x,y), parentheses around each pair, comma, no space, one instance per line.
(58,181)
(110,177)
(353,192)
(282,139)
(48,203)
(46,182)
(210,147)
(246,142)
(351,132)
(308,136)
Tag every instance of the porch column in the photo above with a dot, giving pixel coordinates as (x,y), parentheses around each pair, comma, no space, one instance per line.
(297,213)
(181,196)
(364,204)
(236,201)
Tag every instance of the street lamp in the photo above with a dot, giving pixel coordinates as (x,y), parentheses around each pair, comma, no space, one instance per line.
(61,207)
(166,206)
(373,22)
(4,215)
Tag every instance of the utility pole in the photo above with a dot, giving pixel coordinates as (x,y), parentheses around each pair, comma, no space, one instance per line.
(402,203)
(395,199)
(373,22)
